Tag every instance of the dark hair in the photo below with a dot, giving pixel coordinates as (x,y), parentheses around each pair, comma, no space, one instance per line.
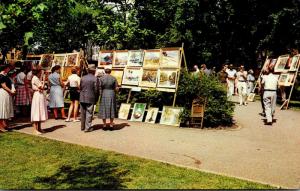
(107,71)
(4,67)
(35,71)
(74,70)
(54,68)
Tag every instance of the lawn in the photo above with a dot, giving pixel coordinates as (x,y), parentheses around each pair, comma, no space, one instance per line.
(30,162)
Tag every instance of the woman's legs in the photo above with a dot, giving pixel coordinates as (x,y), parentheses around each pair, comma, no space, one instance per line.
(55,113)
(76,103)
(70,110)
(63,115)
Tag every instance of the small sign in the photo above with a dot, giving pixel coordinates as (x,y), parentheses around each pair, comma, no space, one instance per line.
(136,89)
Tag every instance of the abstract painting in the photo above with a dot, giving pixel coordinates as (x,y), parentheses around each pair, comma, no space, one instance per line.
(118,74)
(124,111)
(294,63)
(138,112)
(151,115)
(46,61)
(105,58)
(59,59)
(149,78)
(131,76)
(120,58)
(167,78)
(136,58)
(151,58)
(72,59)
(170,58)
(170,116)
(281,63)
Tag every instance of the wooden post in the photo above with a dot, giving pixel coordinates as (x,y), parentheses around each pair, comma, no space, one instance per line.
(129,95)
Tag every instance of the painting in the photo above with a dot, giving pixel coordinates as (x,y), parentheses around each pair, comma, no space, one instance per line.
(124,111)
(281,63)
(151,115)
(118,74)
(151,58)
(283,79)
(131,76)
(72,59)
(105,58)
(149,78)
(167,78)
(138,112)
(170,116)
(294,63)
(120,58)
(46,61)
(170,58)
(59,59)
(135,58)
(66,72)
(291,79)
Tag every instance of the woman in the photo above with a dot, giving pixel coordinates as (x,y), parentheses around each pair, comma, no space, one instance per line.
(250,80)
(38,105)
(22,99)
(6,93)
(56,92)
(74,84)
(107,109)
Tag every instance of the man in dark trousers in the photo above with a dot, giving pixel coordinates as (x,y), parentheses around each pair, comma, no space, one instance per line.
(89,95)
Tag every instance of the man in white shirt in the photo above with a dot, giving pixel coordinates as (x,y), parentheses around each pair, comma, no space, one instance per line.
(231,78)
(241,77)
(270,83)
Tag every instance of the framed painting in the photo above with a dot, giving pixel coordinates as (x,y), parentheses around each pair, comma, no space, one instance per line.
(46,61)
(59,59)
(72,59)
(105,58)
(291,79)
(131,76)
(167,78)
(124,111)
(120,58)
(271,64)
(281,63)
(118,74)
(135,58)
(138,112)
(149,78)
(170,58)
(170,116)
(151,58)
(283,79)
(151,115)
(294,63)
(66,72)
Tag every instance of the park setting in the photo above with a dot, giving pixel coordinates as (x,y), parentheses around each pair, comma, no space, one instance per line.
(132,94)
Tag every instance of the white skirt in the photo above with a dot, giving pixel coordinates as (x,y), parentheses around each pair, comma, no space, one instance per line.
(39,110)
(6,107)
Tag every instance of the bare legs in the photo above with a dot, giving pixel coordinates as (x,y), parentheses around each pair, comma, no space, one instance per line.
(63,115)
(111,124)
(3,125)
(37,128)
(73,108)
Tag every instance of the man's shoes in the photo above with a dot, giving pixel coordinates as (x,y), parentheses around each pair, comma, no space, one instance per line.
(269,123)
(88,130)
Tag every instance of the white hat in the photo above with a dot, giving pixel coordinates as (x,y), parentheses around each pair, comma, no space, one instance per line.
(108,67)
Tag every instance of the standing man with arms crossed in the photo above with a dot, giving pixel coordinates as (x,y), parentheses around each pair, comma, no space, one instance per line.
(241,76)
(231,79)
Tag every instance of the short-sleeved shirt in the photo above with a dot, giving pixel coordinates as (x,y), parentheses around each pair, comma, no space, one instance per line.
(6,80)
(241,76)
(250,78)
(74,80)
(36,83)
(270,81)
(20,78)
(231,73)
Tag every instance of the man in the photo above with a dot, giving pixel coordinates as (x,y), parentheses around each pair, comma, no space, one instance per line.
(241,77)
(204,70)
(270,83)
(223,76)
(89,95)
(231,79)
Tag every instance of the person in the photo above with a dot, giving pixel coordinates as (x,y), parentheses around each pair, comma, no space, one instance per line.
(107,108)
(89,95)
(261,91)
(39,112)
(250,81)
(56,92)
(74,83)
(223,77)
(6,92)
(205,70)
(12,76)
(231,79)
(22,98)
(241,77)
(270,84)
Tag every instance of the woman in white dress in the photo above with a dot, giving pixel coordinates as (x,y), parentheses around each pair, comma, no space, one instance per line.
(38,106)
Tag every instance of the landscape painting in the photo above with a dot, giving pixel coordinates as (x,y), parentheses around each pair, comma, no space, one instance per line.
(59,59)
(151,115)
(171,116)
(120,58)
(135,58)
(294,63)
(167,78)
(46,61)
(149,78)
(118,74)
(170,58)
(283,79)
(131,76)
(138,112)
(281,63)
(151,58)
(105,58)
(124,111)
(72,59)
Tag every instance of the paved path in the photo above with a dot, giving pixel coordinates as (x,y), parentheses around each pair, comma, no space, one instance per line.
(266,154)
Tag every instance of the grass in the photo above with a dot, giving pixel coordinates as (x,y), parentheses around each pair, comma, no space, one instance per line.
(29,162)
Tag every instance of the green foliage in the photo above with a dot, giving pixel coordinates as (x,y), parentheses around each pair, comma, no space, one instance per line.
(218,110)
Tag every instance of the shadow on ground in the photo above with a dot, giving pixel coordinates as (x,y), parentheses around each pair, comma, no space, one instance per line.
(116,126)
(94,174)
(51,129)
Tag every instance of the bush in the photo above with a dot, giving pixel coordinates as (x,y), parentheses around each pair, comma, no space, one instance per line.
(218,111)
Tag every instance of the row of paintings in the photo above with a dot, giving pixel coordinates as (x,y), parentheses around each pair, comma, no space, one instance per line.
(170,115)
(163,58)
(151,78)
(47,61)
(283,63)
(286,79)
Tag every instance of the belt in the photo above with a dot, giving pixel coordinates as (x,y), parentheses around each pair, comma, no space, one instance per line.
(270,90)
(241,81)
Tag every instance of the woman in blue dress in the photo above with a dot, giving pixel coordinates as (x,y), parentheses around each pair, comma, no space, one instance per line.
(56,92)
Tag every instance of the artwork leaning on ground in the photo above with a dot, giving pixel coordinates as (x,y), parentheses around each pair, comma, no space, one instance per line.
(151,59)
(105,58)
(151,115)
(120,58)
(138,112)
(149,78)
(72,59)
(135,58)
(46,61)
(167,78)
(170,58)
(171,116)
(124,111)
(118,74)
(131,76)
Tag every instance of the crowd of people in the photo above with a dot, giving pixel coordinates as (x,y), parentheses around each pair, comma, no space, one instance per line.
(25,90)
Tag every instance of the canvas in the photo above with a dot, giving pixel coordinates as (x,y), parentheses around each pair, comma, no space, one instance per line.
(170,116)
(72,59)
(283,79)
(59,59)
(291,79)
(124,111)
(46,61)
(149,78)
(167,78)
(170,58)
(120,58)
(281,63)
(105,58)
(66,72)
(151,115)
(294,63)
(152,58)
(118,74)
(135,58)
(138,112)
(131,76)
